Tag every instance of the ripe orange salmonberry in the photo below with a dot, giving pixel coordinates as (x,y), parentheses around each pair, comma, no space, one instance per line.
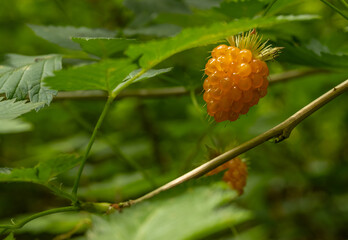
(236,174)
(237,76)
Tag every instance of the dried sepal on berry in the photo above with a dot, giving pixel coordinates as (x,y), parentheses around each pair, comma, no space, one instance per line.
(252,41)
(237,76)
(236,174)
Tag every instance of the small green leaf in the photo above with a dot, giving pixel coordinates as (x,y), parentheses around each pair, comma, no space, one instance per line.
(14,126)
(154,52)
(104,75)
(148,74)
(62,35)
(10,109)
(24,77)
(103,47)
(195,213)
(42,173)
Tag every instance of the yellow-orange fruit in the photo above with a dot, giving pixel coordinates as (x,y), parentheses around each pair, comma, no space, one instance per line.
(236,174)
(236,81)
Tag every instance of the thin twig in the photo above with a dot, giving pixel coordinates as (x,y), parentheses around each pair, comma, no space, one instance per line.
(278,133)
(166,92)
(111,98)
(153,133)
(111,142)
(289,75)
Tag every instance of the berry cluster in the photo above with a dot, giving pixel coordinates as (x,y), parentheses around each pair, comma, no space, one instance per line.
(236,174)
(236,81)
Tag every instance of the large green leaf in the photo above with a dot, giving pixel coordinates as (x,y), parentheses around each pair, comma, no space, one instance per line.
(158,30)
(103,47)
(195,213)
(10,109)
(314,54)
(62,35)
(104,75)
(154,52)
(42,173)
(25,74)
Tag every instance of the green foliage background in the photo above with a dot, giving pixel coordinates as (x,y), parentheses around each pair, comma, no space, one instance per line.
(296,189)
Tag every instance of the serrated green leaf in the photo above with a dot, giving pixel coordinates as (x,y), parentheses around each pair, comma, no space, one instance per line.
(10,237)
(159,30)
(16,60)
(196,213)
(154,52)
(25,77)
(103,47)
(10,109)
(104,75)
(62,35)
(42,173)
(14,126)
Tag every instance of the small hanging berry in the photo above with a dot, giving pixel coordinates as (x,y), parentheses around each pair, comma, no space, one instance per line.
(237,76)
(236,174)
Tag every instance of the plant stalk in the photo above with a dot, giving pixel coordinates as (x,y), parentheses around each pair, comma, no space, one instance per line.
(90,144)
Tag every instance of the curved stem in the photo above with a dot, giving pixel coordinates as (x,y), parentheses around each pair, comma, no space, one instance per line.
(37,215)
(111,98)
(335,9)
(90,144)
(112,144)
(278,133)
